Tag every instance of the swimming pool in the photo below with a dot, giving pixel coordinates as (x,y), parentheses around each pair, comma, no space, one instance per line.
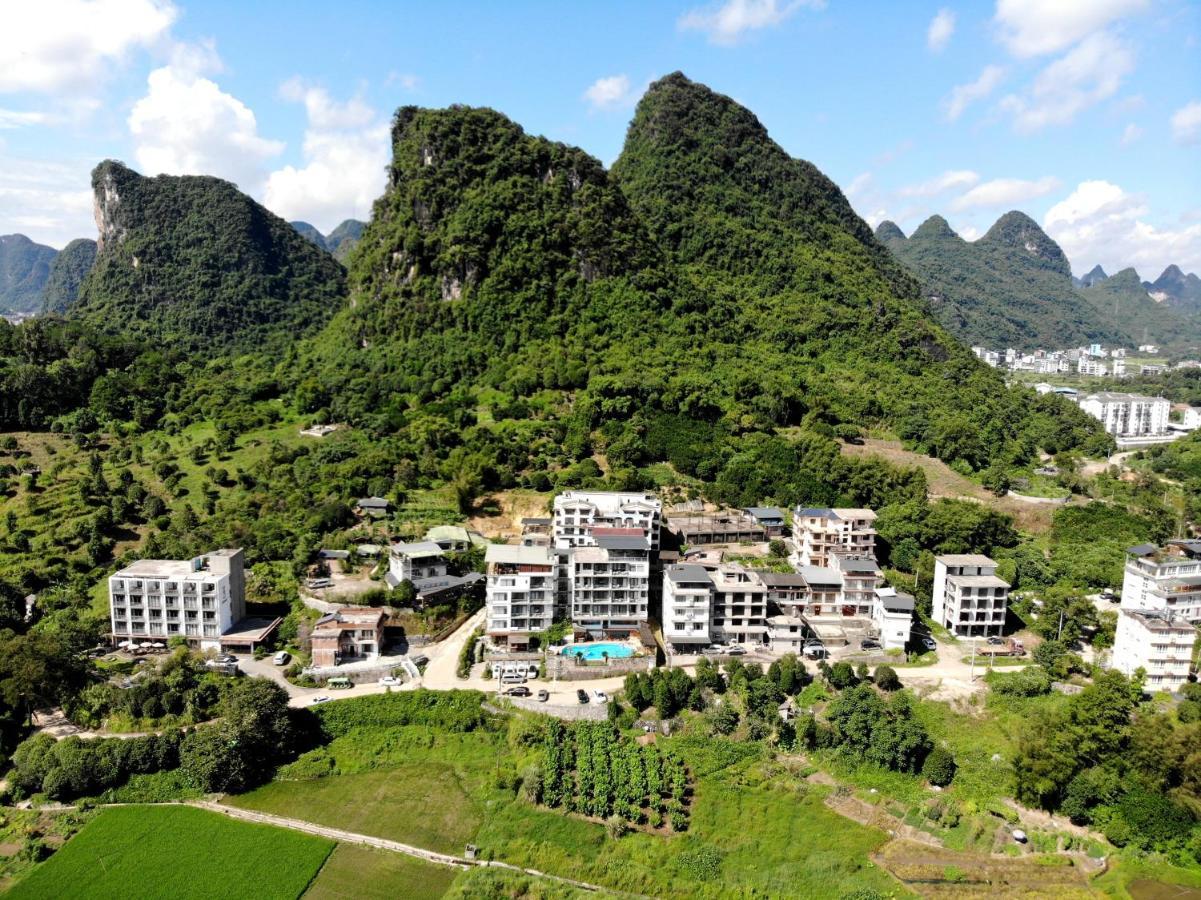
(599,651)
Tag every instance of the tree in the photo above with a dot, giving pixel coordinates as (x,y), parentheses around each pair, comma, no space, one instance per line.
(886,678)
(842,675)
(939,767)
(404,594)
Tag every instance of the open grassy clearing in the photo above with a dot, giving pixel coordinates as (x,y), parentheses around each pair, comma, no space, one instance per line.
(178,852)
(361,873)
(755,827)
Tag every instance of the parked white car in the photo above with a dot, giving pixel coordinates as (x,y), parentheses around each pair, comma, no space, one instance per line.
(601,696)
(389,680)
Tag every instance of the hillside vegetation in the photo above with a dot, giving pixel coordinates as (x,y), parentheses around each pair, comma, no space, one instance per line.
(193,262)
(24,267)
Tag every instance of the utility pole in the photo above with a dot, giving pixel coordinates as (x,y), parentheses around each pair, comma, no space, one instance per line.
(972,676)
(1059,634)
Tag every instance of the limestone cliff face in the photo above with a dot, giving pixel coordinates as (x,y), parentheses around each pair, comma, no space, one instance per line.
(110,179)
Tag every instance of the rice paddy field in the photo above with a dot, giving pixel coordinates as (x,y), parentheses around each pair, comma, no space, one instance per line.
(177,852)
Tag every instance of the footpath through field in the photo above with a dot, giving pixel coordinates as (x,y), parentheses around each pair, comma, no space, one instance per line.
(351,837)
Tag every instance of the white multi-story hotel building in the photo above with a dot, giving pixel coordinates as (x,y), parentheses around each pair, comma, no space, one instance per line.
(519,593)
(1166,579)
(1160,643)
(820,534)
(687,606)
(577,513)
(609,584)
(197,599)
(1128,415)
(892,614)
(861,576)
(969,599)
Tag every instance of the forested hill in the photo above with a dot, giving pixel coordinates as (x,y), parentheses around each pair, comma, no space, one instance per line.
(797,297)
(192,261)
(24,266)
(709,293)
(339,242)
(67,273)
(1011,288)
(1123,300)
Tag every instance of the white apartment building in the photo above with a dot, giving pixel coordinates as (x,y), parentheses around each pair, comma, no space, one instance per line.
(969,599)
(687,606)
(739,605)
(412,562)
(892,614)
(1191,418)
(819,534)
(1119,367)
(609,584)
(1089,366)
(1160,643)
(786,634)
(577,513)
(1166,579)
(1128,415)
(519,593)
(197,599)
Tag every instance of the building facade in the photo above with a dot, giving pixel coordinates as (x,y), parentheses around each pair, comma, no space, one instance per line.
(820,534)
(414,562)
(969,599)
(198,599)
(1166,579)
(1159,643)
(739,606)
(687,607)
(349,634)
(577,513)
(519,593)
(892,614)
(609,585)
(1128,415)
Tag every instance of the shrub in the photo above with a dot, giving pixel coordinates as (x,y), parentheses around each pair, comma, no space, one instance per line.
(886,678)
(939,767)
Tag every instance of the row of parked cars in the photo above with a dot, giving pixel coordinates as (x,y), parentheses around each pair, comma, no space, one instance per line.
(543,695)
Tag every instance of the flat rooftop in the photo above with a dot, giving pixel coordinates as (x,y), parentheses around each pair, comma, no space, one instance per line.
(978,581)
(965,559)
(689,573)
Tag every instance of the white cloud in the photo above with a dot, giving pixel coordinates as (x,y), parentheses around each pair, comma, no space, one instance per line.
(1038,27)
(1130,134)
(1089,73)
(1101,223)
(859,184)
(346,150)
(186,125)
(1004,192)
(13,118)
(68,45)
(50,202)
(964,95)
(950,180)
(942,26)
(727,23)
(610,92)
(1186,123)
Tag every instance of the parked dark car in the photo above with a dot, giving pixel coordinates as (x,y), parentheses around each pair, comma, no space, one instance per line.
(519,691)
(996,641)
(869,644)
(928,642)
(581,695)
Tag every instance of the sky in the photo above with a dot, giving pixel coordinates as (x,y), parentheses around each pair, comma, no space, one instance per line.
(1085,114)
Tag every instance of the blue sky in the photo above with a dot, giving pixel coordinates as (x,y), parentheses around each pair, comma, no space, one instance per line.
(1086,114)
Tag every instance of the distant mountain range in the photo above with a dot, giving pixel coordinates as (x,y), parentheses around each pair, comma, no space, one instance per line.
(24,268)
(1014,288)
(339,242)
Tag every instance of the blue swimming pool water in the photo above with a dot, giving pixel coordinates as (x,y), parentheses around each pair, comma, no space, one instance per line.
(598,651)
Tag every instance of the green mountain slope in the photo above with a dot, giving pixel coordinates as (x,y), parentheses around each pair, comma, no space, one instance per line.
(1011,288)
(193,261)
(709,293)
(796,295)
(1177,289)
(67,273)
(1123,300)
(24,267)
(342,239)
(309,233)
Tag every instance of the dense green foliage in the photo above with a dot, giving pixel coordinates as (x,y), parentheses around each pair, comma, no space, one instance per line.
(338,242)
(67,273)
(24,267)
(452,710)
(1011,288)
(1130,771)
(192,261)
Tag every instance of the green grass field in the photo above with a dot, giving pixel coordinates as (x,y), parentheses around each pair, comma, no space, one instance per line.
(361,873)
(755,830)
(176,852)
